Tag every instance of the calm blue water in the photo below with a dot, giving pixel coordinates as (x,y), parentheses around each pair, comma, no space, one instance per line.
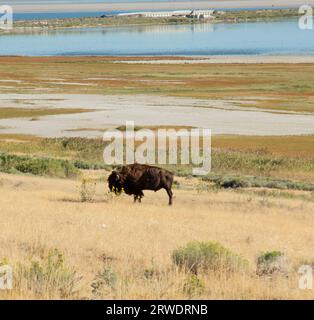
(60,15)
(268,38)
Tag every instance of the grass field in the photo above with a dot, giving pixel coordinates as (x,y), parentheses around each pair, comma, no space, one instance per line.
(288,157)
(66,237)
(112,248)
(285,87)
(70,239)
(272,156)
(290,146)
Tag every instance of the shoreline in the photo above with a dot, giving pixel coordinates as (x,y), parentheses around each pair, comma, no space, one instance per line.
(175,59)
(147,6)
(230,16)
(223,59)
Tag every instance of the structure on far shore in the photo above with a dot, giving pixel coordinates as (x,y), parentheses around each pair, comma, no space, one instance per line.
(196,14)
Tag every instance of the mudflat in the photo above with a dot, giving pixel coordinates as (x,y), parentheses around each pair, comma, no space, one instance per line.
(106,111)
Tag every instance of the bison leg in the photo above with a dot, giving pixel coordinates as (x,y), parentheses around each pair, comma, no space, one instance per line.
(169,192)
(140,196)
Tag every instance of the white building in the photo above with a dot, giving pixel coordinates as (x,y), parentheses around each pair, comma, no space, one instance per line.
(199,14)
(162,14)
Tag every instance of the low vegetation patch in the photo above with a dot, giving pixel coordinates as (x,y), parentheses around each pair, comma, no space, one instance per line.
(193,286)
(203,256)
(263,15)
(87,189)
(279,147)
(271,262)
(230,181)
(100,21)
(48,277)
(258,162)
(37,166)
(230,168)
(105,281)
(6,113)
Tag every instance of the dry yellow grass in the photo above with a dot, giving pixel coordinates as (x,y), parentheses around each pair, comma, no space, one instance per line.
(291,146)
(9,113)
(38,214)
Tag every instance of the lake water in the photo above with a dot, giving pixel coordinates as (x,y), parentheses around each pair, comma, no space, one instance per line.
(268,38)
(60,15)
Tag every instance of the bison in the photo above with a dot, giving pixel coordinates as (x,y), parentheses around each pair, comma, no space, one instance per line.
(135,178)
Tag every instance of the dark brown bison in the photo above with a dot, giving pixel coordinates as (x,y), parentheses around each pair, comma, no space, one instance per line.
(135,178)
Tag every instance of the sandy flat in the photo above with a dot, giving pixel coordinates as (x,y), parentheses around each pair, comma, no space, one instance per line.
(111,6)
(251,59)
(222,117)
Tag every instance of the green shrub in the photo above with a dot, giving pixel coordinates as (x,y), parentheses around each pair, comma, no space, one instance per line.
(3,262)
(37,166)
(90,166)
(202,256)
(193,286)
(87,189)
(49,277)
(271,262)
(106,279)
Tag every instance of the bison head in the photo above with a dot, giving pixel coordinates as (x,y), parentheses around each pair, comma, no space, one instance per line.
(115,182)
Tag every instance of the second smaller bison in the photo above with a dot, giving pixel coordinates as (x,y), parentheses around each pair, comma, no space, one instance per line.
(135,178)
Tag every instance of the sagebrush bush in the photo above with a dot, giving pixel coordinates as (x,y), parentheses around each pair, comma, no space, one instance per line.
(48,277)
(87,189)
(193,286)
(202,256)
(105,281)
(271,262)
